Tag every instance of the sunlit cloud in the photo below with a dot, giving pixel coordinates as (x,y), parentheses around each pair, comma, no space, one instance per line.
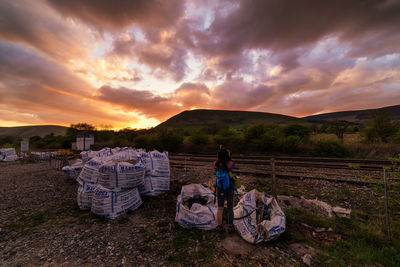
(137,63)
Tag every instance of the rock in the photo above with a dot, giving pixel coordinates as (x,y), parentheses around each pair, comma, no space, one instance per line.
(320,230)
(342,212)
(307,259)
(236,245)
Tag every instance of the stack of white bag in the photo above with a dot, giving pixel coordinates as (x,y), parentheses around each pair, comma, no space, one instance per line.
(198,215)
(73,171)
(157,177)
(110,179)
(117,192)
(108,182)
(8,154)
(89,175)
(251,225)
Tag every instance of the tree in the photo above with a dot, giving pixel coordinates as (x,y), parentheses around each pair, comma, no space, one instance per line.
(83,126)
(339,128)
(381,128)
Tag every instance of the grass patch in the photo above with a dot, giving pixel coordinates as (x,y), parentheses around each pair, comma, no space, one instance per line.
(363,238)
(261,185)
(340,196)
(288,192)
(192,246)
(308,217)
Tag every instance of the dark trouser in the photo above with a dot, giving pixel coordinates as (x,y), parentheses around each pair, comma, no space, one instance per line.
(229,198)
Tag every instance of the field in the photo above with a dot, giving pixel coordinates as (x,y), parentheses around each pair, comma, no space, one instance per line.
(41,224)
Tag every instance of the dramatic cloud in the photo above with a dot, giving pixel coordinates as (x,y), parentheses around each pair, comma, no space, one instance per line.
(37,25)
(239,95)
(192,95)
(136,63)
(159,56)
(143,102)
(31,84)
(283,25)
(117,14)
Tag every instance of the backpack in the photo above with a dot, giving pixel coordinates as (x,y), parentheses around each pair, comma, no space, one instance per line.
(223,180)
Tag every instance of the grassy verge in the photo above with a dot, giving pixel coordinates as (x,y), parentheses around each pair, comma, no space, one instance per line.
(363,240)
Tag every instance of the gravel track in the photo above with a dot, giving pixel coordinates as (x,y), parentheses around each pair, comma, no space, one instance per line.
(41,224)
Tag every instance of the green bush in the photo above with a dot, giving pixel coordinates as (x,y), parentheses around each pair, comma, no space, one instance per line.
(263,137)
(330,148)
(266,143)
(297,130)
(170,140)
(395,138)
(141,141)
(199,138)
(226,137)
(290,143)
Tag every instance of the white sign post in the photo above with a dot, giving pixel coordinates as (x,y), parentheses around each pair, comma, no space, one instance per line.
(24,146)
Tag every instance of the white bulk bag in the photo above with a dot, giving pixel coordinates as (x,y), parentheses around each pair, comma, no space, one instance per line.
(154,185)
(90,171)
(245,218)
(157,178)
(122,155)
(144,157)
(85,193)
(110,204)
(159,163)
(88,155)
(8,154)
(73,171)
(197,216)
(121,175)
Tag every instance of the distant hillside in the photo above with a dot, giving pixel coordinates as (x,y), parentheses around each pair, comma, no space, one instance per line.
(28,131)
(357,116)
(205,117)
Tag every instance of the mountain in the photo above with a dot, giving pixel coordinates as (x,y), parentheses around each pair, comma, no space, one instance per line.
(28,131)
(206,117)
(357,116)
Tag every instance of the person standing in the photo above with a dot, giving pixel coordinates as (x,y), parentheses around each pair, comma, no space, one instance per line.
(224,186)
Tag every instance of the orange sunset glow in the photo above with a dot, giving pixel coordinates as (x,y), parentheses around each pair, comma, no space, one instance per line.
(137,63)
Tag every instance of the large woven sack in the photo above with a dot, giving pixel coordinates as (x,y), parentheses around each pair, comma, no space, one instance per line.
(196,215)
(258,223)
(111,204)
(121,175)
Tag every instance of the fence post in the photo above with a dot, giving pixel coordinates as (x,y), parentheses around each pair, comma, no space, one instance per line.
(273,178)
(386,204)
(185,167)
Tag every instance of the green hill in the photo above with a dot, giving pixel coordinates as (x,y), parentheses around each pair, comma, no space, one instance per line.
(28,131)
(357,116)
(205,117)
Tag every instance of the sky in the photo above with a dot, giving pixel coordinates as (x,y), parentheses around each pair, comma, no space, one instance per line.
(136,63)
